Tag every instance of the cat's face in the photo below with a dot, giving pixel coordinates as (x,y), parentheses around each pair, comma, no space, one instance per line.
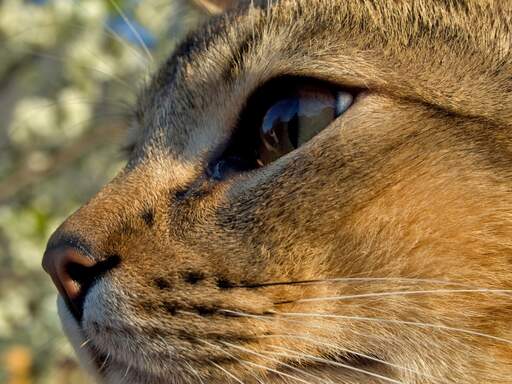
(378,251)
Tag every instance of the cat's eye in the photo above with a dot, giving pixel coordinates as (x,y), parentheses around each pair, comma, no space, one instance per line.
(279,118)
(297,118)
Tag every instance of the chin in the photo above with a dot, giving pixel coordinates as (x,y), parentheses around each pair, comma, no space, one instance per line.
(101,368)
(88,360)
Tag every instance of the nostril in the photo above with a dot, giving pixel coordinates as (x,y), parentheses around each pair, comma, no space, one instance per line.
(79,273)
(73,273)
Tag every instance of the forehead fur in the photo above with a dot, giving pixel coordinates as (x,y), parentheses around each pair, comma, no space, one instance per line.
(398,47)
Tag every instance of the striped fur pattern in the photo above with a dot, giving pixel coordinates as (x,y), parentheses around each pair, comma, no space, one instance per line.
(378,252)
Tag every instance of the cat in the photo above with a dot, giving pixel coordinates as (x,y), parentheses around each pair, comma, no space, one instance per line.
(319,191)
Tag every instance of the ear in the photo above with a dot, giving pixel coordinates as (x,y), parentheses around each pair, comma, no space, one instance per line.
(214,6)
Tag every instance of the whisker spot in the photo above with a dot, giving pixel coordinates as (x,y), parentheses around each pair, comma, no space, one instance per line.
(223,283)
(148,216)
(193,277)
(205,311)
(162,283)
(170,308)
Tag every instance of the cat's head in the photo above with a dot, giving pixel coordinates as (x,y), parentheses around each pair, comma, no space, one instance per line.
(318,190)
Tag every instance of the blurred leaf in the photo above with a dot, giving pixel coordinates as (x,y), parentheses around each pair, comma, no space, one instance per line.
(68,73)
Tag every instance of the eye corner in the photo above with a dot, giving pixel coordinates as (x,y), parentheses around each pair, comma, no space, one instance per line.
(345,100)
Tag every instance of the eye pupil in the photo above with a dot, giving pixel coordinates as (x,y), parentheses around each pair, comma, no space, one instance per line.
(277,128)
(292,121)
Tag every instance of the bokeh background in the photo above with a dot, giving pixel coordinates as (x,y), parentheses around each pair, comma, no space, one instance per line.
(69,71)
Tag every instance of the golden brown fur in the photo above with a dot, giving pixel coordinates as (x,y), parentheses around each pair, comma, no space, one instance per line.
(406,199)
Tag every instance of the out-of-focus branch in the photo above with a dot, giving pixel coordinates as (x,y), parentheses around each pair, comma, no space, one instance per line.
(25,177)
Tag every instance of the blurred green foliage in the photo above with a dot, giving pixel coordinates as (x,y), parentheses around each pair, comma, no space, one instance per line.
(69,71)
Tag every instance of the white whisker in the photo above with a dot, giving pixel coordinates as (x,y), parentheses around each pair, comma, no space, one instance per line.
(245,362)
(341,365)
(365,356)
(401,322)
(311,326)
(127,371)
(271,359)
(226,372)
(194,371)
(228,354)
(104,364)
(505,292)
(267,318)
(135,32)
(368,319)
(87,341)
(277,372)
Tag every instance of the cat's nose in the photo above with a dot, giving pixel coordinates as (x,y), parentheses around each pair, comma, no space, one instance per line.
(73,273)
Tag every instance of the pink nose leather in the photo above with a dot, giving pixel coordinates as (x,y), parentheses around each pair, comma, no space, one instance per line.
(71,272)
